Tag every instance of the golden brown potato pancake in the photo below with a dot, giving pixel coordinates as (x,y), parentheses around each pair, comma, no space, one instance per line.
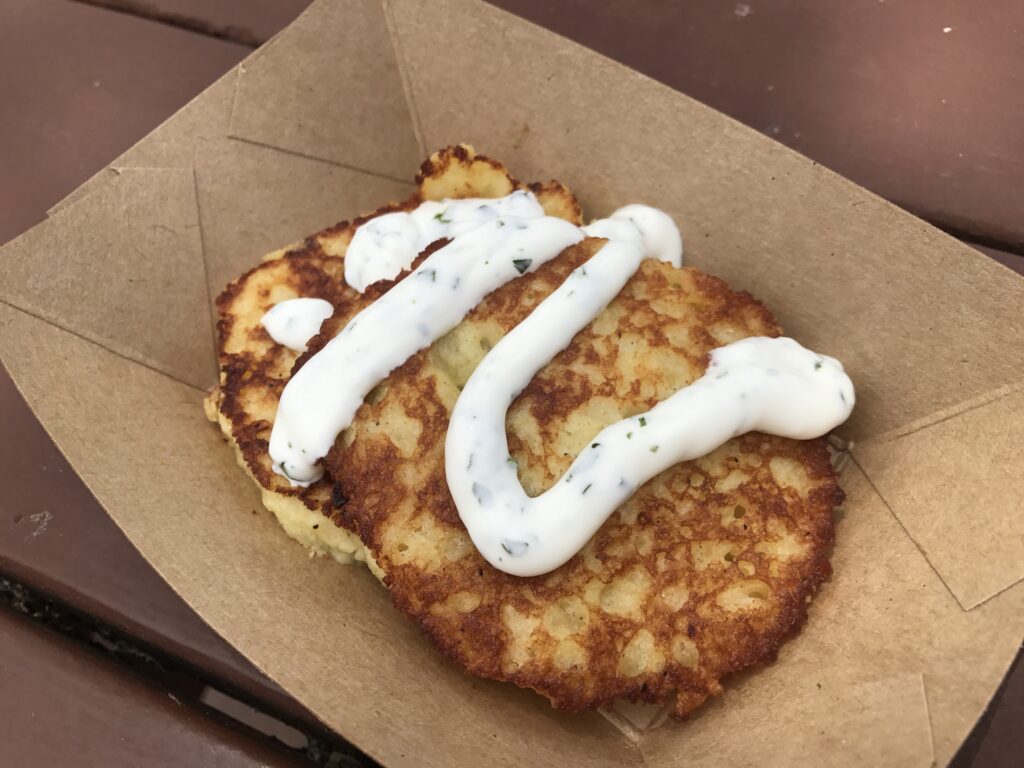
(703,572)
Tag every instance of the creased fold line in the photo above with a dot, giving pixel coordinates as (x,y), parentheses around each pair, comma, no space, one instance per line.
(363,118)
(405,74)
(135,237)
(954,486)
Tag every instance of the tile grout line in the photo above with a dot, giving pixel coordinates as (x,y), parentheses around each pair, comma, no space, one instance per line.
(142,10)
(241,36)
(163,671)
(968,237)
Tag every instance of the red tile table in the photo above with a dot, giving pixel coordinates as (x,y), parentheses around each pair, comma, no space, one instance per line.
(918,101)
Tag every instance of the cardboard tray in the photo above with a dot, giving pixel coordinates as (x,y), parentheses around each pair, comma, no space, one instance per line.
(106,325)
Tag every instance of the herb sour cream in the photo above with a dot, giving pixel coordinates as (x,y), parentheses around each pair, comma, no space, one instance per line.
(772,385)
(386,245)
(293,322)
(508,238)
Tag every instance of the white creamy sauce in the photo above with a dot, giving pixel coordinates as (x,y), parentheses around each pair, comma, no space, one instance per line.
(770,385)
(294,322)
(385,246)
(651,228)
(321,399)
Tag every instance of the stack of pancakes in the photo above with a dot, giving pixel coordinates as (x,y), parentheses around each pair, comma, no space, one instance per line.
(704,571)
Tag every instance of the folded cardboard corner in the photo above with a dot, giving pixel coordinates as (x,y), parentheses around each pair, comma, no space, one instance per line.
(105,325)
(953,481)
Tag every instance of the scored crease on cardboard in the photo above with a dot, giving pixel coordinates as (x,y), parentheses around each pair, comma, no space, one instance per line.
(106,325)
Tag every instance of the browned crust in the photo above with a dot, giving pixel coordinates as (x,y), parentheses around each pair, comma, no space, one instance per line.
(461,155)
(368,499)
(258,371)
(479,640)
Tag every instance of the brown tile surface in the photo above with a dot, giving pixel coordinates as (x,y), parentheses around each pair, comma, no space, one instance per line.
(56,538)
(65,705)
(79,86)
(246,21)
(918,101)
(100,82)
(876,90)
(1002,746)
(58,127)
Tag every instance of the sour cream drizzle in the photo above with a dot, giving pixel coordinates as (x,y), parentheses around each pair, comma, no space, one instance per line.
(293,322)
(384,246)
(321,399)
(771,385)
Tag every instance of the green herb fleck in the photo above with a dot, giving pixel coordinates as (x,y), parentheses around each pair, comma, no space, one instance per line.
(501,223)
(818,363)
(522,264)
(654,449)
(440,217)
(594,445)
(643,422)
(629,435)
(586,489)
(506,548)
(482,494)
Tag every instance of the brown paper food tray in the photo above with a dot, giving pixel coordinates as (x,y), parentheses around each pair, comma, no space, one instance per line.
(106,324)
